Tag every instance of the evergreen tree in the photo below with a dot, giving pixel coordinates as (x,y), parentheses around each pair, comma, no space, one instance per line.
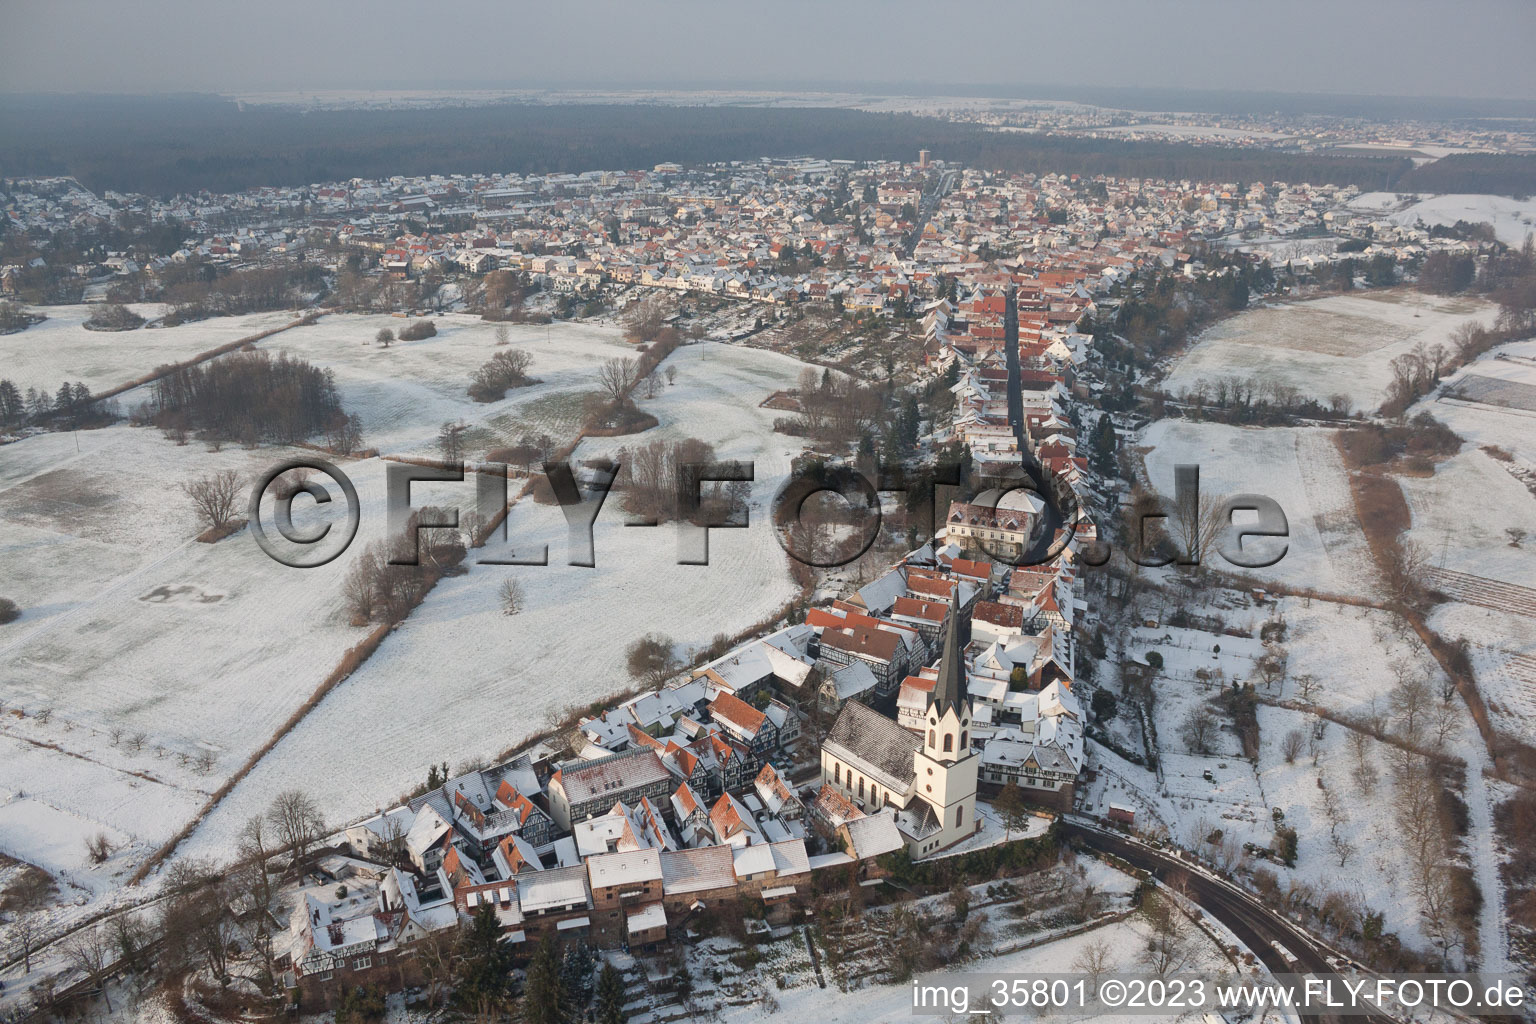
(482,978)
(12,408)
(610,997)
(544,997)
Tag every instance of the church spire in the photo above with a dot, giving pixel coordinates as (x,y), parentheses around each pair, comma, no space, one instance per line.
(950,690)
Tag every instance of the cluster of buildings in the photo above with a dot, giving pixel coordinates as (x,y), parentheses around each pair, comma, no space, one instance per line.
(868,238)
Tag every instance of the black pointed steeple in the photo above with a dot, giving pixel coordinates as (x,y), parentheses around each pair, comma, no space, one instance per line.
(950,690)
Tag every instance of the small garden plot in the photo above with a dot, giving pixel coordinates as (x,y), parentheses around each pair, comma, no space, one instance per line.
(1502,647)
(1231,793)
(1507,427)
(1509,394)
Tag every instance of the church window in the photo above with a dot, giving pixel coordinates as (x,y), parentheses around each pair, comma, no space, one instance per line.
(959,816)
(837,773)
(861,788)
(933,740)
(964,739)
(949,742)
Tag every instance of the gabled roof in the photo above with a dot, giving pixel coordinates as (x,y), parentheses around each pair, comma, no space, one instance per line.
(875,744)
(708,867)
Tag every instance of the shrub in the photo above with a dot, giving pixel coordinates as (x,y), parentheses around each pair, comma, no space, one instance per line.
(10,611)
(114,316)
(418,331)
(508,369)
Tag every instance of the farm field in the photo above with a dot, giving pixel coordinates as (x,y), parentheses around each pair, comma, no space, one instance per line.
(1493,401)
(1301,469)
(461,680)
(61,348)
(1343,344)
(1460,516)
(147,659)
(405,392)
(100,554)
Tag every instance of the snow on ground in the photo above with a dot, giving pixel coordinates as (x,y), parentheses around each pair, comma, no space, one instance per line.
(61,348)
(1343,344)
(1301,469)
(1512,219)
(1460,515)
(462,680)
(406,391)
(1492,401)
(99,549)
(139,651)
(1125,939)
(1378,867)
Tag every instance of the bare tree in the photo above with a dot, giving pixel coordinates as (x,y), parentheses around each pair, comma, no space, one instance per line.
(1306,686)
(99,848)
(25,931)
(503,334)
(296,821)
(385,337)
(1197,526)
(1199,729)
(1341,848)
(650,659)
(1169,949)
(1410,701)
(89,952)
(1291,746)
(511,596)
(1095,959)
(214,497)
(1271,666)
(616,377)
(671,374)
(450,440)
(1445,721)
(254,842)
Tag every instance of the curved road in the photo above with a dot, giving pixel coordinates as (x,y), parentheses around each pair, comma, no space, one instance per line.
(1252,922)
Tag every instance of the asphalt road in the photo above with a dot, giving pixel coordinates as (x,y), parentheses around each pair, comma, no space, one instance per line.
(1252,922)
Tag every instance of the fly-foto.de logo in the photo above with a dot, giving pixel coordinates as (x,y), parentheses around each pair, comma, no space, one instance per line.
(1023,521)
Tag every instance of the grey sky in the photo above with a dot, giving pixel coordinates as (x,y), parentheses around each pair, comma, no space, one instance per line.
(1383,47)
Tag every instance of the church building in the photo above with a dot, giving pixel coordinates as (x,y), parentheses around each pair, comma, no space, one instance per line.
(928,781)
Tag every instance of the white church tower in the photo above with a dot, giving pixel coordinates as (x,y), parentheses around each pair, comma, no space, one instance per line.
(946,767)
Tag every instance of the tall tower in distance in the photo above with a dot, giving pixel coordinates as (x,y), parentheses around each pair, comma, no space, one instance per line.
(922,158)
(946,767)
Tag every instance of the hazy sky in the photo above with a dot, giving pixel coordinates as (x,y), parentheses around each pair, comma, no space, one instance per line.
(1385,47)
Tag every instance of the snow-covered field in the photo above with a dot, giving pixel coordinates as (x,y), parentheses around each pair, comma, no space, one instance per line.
(1510,425)
(1299,468)
(60,348)
(1512,219)
(461,680)
(139,650)
(1343,344)
(160,664)
(405,392)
